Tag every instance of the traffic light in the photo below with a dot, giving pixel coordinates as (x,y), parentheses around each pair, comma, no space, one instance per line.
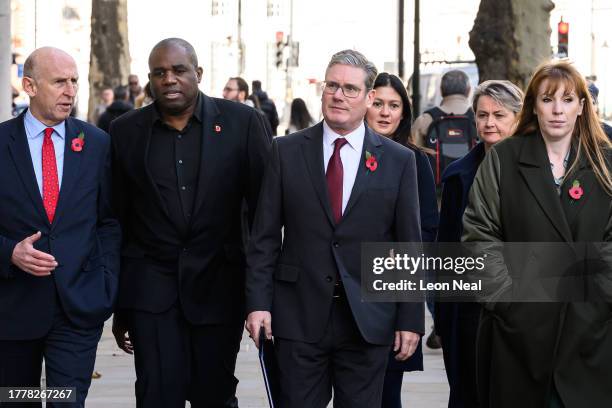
(280,46)
(279,53)
(563,34)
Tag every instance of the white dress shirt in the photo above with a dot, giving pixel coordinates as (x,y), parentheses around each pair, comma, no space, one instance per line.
(350,154)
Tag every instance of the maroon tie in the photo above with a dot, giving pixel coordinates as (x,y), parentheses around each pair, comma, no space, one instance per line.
(334,175)
(49,175)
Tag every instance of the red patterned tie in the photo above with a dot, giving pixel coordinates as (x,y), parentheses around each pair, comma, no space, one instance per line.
(49,176)
(334,175)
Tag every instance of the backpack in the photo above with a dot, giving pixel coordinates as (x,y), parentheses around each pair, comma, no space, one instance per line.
(450,137)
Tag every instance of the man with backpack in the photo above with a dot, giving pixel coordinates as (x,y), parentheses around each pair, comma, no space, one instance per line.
(449,131)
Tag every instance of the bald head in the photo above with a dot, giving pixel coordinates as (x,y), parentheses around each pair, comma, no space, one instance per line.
(50,79)
(176,42)
(45,56)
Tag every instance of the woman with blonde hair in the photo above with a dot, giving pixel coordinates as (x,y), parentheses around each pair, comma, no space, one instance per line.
(548,183)
(496,105)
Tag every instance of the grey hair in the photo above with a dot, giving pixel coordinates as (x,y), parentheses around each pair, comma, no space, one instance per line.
(503,92)
(356,59)
(455,82)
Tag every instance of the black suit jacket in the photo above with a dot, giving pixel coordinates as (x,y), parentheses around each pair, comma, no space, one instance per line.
(205,269)
(84,237)
(295,280)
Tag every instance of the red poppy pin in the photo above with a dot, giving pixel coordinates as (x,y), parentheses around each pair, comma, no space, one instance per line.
(217,128)
(576,191)
(78,142)
(371,162)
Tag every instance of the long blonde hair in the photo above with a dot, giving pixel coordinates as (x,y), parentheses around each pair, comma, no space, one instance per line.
(588,136)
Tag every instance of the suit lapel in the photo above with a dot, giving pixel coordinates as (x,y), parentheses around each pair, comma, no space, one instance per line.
(210,113)
(371,144)
(20,152)
(535,170)
(313,155)
(72,164)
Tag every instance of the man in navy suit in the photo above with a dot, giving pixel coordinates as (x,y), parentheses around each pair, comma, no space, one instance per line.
(326,190)
(59,242)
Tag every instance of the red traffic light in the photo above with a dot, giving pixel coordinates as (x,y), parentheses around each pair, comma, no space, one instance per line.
(563,27)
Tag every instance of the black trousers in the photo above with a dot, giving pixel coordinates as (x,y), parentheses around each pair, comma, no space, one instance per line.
(342,360)
(176,361)
(459,353)
(69,353)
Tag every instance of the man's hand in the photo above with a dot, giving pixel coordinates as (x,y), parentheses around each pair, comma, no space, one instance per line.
(406,343)
(255,320)
(120,332)
(31,260)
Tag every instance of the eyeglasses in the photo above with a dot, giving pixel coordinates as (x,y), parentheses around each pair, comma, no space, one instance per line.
(133,83)
(350,91)
(228,89)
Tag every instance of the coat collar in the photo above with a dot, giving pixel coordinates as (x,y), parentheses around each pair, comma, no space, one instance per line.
(466,167)
(535,170)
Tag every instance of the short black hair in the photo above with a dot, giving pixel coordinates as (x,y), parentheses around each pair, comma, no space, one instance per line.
(121,92)
(256,85)
(179,42)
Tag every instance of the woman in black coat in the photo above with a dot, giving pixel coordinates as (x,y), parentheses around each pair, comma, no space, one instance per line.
(548,183)
(390,115)
(496,105)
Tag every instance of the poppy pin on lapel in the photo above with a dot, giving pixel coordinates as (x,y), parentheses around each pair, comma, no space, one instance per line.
(217,128)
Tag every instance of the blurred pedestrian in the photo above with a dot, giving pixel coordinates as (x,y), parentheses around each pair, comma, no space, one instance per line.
(300,117)
(119,106)
(107,97)
(497,105)
(266,105)
(237,89)
(145,98)
(135,88)
(594,91)
(391,116)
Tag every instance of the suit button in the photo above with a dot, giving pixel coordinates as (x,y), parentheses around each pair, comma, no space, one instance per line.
(328,279)
(336,245)
(52,237)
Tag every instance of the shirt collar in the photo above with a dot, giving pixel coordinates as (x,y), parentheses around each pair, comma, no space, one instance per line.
(197,113)
(35,128)
(354,139)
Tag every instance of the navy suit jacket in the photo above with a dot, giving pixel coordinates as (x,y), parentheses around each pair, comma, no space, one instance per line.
(84,237)
(293,276)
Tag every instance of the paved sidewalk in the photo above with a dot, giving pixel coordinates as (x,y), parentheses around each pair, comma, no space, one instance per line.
(115,389)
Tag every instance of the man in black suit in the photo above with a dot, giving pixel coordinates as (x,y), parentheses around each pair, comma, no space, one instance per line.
(183,166)
(305,288)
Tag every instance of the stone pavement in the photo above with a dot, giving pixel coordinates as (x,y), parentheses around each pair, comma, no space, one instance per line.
(115,389)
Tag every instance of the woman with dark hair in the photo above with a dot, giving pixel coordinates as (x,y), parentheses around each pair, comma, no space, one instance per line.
(549,183)
(300,117)
(391,116)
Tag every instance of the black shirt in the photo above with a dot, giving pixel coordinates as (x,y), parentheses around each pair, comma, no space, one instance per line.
(174,160)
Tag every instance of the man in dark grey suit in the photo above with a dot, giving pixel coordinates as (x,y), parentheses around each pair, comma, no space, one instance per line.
(305,288)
